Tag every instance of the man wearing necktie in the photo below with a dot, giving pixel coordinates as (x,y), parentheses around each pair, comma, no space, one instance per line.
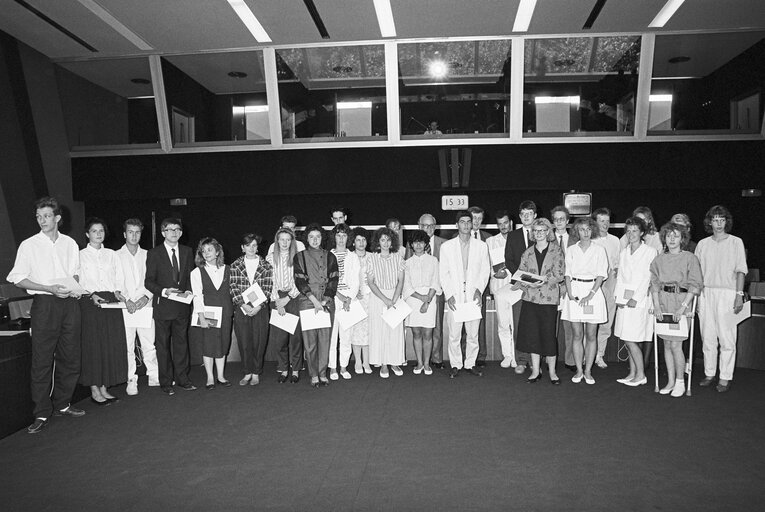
(517,242)
(560,217)
(168,270)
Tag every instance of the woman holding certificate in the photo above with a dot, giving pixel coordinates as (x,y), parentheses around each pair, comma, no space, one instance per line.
(103,330)
(421,285)
(675,279)
(634,323)
(360,331)
(539,306)
(251,318)
(585,306)
(316,277)
(213,310)
(385,274)
(289,347)
(347,288)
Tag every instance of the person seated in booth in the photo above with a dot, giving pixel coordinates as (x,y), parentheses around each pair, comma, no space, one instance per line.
(433,129)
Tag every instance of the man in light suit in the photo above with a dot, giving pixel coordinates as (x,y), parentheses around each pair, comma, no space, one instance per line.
(464,271)
(499,278)
(168,272)
(517,242)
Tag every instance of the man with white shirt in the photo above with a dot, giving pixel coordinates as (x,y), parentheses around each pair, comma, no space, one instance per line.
(464,271)
(499,279)
(288,222)
(131,272)
(517,242)
(610,243)
(560,217)
(42,260)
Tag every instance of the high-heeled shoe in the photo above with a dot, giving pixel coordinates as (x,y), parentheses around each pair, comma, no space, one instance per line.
(103,404)
(113,400)
(555,382)
(635,383)
(532,380)
(225,383)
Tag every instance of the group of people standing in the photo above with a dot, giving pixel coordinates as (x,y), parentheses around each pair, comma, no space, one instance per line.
(90,306)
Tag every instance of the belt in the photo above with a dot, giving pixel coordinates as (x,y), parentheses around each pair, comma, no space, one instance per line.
(583,280)
(673,288)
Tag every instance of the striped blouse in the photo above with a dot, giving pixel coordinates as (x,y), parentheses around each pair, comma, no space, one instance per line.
(384,271)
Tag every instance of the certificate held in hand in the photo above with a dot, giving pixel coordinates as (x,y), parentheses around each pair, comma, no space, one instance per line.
(467,311)
(395,315)
(348,319)
(310,320)
(254,295)
(286,322)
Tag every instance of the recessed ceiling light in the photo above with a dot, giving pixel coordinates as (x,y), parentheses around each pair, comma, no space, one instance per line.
(679,59)
(524,14)
(142,81)
(385,18)
(666,13)
(237,74)
(250,21)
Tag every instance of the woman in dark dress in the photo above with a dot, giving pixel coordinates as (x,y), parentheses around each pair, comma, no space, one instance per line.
(210,284)
(539,309)
(103,330)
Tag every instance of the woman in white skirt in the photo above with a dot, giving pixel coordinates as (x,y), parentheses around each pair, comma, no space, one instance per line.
(360,331)
(585,306)
(421,285)
(385,276)
(634,323)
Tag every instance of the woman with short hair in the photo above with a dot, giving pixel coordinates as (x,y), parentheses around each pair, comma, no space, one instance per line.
(349,268)
(360,240)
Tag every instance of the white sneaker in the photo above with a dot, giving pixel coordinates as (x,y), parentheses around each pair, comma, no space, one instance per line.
(333,375)
(345,374)
(679,389)
(506,362)
(132,386)
(153,382)
(599,361)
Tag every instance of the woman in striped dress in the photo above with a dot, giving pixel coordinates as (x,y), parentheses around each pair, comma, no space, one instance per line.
(385,274)
(360,331)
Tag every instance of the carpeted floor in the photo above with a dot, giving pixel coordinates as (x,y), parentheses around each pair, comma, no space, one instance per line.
(407,443)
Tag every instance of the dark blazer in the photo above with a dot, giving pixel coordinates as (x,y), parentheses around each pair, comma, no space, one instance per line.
(159,275)
(514,249)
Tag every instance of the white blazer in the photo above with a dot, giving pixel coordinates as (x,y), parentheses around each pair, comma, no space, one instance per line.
(451,269)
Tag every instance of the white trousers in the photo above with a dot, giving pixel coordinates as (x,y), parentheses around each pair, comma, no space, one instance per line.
(718,328)
(344,336)
(146,338)
(505,325)
(455,337)
(605,330)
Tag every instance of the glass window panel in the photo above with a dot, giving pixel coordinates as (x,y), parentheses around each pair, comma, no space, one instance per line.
(216,98)
(332,93)
(108,103)
(707,83)
(582,85)
(454,89)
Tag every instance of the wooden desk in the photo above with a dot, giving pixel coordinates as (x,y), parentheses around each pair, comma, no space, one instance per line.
(750,347)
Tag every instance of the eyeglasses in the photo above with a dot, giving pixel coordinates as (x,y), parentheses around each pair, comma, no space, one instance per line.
(539,230)
(173,230)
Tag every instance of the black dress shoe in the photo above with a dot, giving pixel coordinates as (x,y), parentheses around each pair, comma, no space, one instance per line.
(69,411)
(323,382)
(475,371)
(438,366)
(209,387)
(104,403)
(282,378)
(188,387)
(454,372)
(532,380)
(555,382)
(570,367)
(480,364)
(225,383)
(37,426)
(168,390)
(294,379)
(113,400)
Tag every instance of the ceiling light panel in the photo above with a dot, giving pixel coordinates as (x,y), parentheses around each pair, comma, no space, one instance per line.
(385,18)
(250,21)
(523,15)
(669,9)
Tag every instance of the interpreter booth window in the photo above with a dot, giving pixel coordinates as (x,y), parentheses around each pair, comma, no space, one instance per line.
(454,89)
(216,98)
(108,103)
(332,93)
(707,83)
(580,86)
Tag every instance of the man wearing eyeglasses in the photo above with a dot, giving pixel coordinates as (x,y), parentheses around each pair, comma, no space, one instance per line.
(168,270)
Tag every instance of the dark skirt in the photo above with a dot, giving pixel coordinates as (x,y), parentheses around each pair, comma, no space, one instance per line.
(536,329)
(104,346)
(214,342)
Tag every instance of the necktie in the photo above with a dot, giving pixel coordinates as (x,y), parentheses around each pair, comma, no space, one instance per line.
(560,238)
(475,235)
(428,250)
(176,268)
(529,241)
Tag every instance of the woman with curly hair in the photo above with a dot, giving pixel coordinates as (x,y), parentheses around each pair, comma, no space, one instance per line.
(360,332)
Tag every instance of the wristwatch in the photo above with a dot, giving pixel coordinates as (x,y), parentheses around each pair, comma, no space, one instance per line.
(740,293)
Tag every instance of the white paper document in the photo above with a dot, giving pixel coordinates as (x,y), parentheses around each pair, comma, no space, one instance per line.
(395,315)
(254,295)
(185,297)
(623,293)
(113,305)
(348,319)
(678,329)
(213,314)
(745,312)
(467,312)
(310,320)
(497,256)
(286,322)
(71,284)
(142,318)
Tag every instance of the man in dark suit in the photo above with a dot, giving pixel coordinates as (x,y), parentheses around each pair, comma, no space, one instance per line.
(517,242)
(427,223)
(168,270)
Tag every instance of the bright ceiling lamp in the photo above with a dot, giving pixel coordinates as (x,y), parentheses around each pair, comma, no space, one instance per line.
(666,13)
(438,69)
(571,100)
(250,109)
(524,14)
(385,18)
(347,105)
(117,25)
(660,97)
(250,21)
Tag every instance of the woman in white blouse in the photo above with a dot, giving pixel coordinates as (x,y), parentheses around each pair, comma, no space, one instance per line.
(360,331)
(421,285)
(347,288)
(103,330)
(210,285)
(634,323)
(385,273)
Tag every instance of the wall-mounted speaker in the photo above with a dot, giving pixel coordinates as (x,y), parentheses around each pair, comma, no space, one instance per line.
(454,166)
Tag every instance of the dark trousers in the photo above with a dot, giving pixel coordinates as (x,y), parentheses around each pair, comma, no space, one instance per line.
(55,345)
(317,351)
(437,353)
(172,344)
(289,347)
(252,337)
